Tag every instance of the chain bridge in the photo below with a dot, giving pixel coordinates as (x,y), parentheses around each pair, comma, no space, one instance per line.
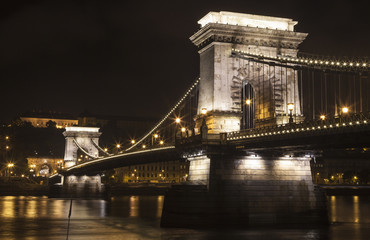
(249,125)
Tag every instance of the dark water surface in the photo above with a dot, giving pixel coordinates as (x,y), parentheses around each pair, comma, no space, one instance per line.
(138,217)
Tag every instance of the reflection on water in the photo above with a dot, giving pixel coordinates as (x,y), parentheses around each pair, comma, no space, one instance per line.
(349,209)
(138,217)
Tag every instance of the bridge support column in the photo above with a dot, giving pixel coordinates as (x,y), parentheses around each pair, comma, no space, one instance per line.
(245,191)
(82,186)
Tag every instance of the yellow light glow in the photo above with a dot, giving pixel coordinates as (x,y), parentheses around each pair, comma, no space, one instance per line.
(345,109)
(183,129)
(355,177)
(322,117)
(249,20)
(178,120)
(105,149)
(204,111)
(156,135)
(7,138)
(118,145)
(132,141)
(10,165)
(161,142)
(144,146)
(248,102)
(290,106)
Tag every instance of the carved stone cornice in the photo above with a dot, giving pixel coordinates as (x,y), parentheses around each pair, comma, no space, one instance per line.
(216,32)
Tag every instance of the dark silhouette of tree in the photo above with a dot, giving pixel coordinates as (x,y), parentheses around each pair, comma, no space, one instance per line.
(51,124)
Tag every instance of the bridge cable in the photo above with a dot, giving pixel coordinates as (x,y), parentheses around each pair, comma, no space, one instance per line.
(166,116)
(83,150)
(99,148)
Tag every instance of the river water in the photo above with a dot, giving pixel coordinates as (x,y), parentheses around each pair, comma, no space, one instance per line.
(138,217)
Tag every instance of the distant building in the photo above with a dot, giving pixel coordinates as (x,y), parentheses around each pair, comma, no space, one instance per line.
(161,172)
(41,119)
(44,166)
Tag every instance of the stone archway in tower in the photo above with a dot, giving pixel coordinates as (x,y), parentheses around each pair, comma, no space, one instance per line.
(248,106)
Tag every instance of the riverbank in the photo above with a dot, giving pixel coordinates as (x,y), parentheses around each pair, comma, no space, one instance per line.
(26,187)
(148,189)
(345,190)
(17,186)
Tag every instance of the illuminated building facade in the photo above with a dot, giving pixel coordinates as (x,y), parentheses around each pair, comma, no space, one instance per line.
(161,172)
(44,166)
(41,119)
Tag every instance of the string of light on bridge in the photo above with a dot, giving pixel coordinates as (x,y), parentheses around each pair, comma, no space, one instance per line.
(295,129)
(166,116)
(307,61)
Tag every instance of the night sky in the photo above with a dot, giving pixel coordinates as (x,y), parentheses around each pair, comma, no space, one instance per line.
(135,58)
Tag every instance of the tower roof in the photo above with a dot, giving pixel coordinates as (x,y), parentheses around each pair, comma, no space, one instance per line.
(250,20)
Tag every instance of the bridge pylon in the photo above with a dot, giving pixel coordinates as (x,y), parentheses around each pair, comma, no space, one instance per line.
(80,137)
(225,78)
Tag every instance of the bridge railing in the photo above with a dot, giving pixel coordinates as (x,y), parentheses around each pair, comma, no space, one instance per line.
(333,123)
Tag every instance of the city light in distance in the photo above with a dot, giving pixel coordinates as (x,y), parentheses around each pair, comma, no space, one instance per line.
(178,120)
(345,109)
(248,102)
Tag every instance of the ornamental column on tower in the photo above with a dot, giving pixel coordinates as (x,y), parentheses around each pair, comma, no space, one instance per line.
(222,75)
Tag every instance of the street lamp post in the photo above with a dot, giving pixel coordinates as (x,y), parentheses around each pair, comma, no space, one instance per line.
(290,108)
(10,165)
(155,136)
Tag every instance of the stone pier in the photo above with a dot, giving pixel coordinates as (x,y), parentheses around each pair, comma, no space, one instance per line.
(243,191)
(78,186)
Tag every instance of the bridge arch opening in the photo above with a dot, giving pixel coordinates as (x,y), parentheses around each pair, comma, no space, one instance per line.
(248,106)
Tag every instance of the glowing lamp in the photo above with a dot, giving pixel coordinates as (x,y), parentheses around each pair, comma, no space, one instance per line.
(178,120)
(345,109)
(290,106)
(204,111)
(156,135)
(118,145)
(161,142)
(132,141)
(183,129)
(323,117)
(248,102)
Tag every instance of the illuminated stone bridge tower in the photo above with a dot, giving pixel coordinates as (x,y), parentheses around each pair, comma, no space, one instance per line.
(223,77)
(85,138)
(240,186)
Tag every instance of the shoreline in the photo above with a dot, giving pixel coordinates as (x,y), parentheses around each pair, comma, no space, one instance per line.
(31,189)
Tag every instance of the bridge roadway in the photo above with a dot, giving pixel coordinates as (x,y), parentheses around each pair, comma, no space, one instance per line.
(352,131)
(163,154)
(338,133)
